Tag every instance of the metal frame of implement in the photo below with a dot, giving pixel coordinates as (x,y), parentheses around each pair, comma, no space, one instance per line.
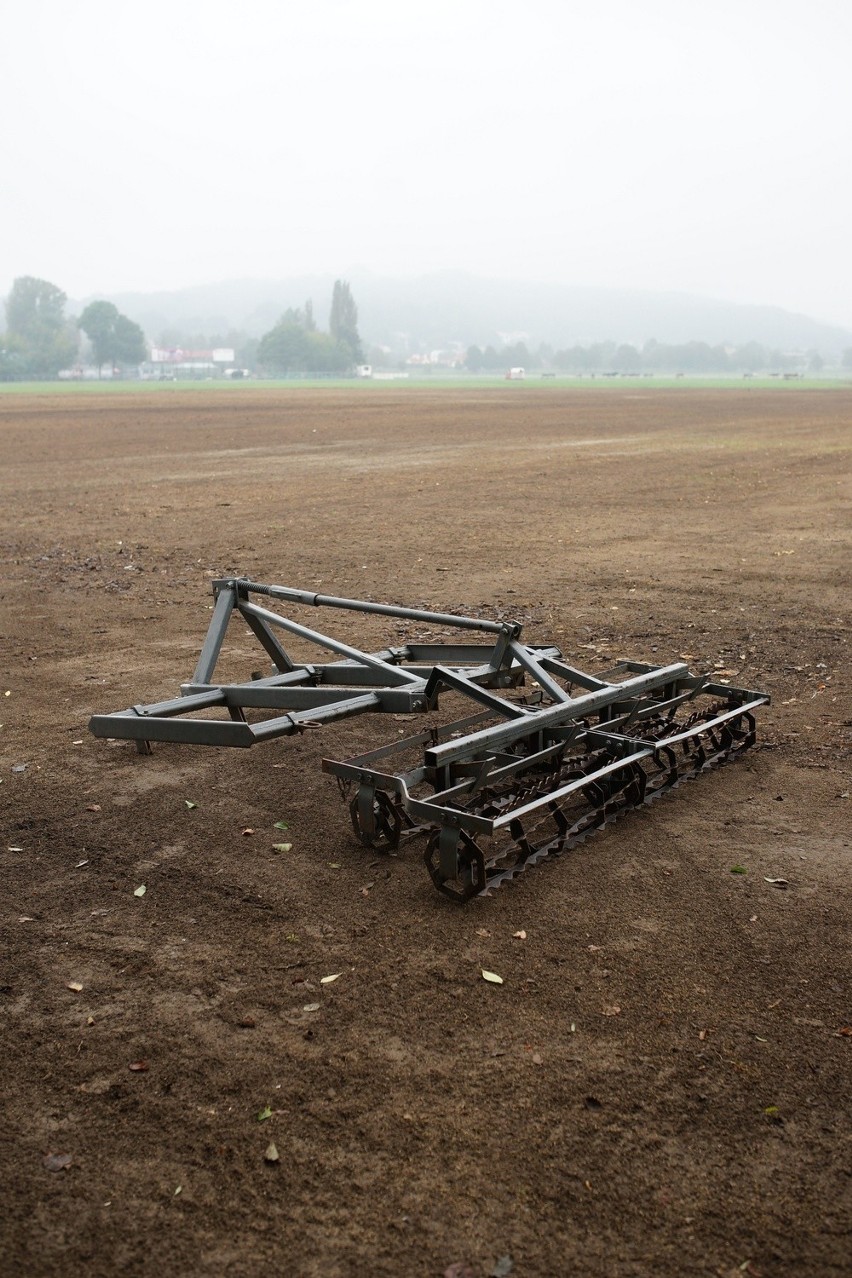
(528,777)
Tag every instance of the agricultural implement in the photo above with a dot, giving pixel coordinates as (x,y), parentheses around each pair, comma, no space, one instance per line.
(537,754)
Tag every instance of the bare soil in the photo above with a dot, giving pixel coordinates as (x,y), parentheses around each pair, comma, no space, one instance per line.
(661,1084)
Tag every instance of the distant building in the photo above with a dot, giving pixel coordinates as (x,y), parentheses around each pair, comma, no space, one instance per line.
(175,361)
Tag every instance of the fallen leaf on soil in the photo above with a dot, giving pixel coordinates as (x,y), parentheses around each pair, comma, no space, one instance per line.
(93,807)
(738,869)
(57,1162)
(334,865)
(326,980)
(520,936)
(594,949)
(138,1067)
(190,804)
(503,1267)
(613,1010)
(141,890)
(263,1114)
(247,830)
(74,985)
(702,1034)
(492,977)
(752,918)
(26,918)
(779,883)
(845,1031)
(482,931)
(312,1007)
(271,1155)
(281,825)
(177,1191)
(281,847)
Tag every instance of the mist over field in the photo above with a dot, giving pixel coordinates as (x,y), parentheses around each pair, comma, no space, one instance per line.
(473,169)
(454,308)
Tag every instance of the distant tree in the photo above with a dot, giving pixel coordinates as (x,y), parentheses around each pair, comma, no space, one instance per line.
(115,338)
(293,315)
(290,348)
(627,359)
(303,318)
(38,337)
(816,363)
(516,356)
(653,356)
(751,358)
(846,358)
(343,321)
(284,349)
(473,359)
(574,360)
(599,356)
(325,355)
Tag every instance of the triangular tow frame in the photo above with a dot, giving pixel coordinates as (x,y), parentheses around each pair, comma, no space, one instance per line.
(395,679)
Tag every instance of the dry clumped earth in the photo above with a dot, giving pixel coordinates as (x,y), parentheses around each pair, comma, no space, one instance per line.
(661,1084)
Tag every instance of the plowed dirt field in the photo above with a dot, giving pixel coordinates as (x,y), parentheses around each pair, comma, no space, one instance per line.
(661,1084)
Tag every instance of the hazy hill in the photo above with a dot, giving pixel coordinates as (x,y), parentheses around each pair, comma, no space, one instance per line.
(438,310)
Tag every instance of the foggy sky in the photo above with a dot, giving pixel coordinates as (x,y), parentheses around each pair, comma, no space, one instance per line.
(663,145)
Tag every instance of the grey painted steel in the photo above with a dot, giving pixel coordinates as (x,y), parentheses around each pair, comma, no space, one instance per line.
(394,674)
(226,601)
(617,744)
(538,672)
(217,732)
(443,677)
(504,734)
(279,656)
(315,693)
(291,595)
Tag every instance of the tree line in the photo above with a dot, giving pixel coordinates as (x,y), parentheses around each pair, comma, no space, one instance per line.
(40,339)
(652,357)
(295,344)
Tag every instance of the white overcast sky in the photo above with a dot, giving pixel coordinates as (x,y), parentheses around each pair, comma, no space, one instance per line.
(660,144)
